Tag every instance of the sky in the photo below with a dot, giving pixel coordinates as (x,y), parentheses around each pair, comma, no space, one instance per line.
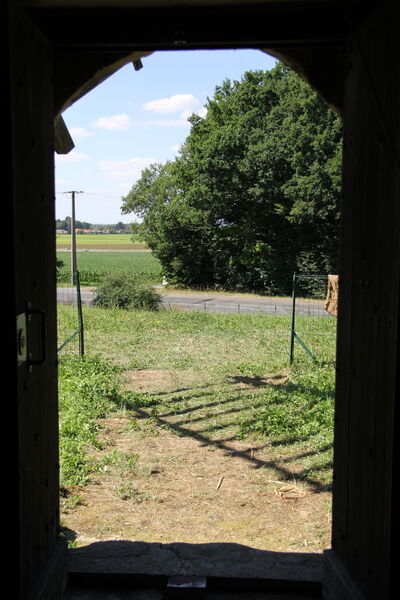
(134,119)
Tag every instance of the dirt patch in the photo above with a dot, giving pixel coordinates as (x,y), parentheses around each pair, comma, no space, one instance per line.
(154,380)
(186,491)
(174,483)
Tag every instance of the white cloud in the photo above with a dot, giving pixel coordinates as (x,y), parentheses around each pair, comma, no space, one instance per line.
(177,103)
(79,132)
(184,104)
(188,113)
(71,157)
(202,112)
(115,123)
(176,148)
(125,168)
(167,123)
(125,187)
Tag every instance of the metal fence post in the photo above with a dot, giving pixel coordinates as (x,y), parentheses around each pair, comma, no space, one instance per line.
(294,334)
(293,319)
(79,331)
(80,315)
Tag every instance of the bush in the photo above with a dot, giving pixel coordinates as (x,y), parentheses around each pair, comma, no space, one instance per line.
(123,291)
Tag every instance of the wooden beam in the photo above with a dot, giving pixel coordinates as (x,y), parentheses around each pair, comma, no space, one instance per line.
(63,142)
(194,26)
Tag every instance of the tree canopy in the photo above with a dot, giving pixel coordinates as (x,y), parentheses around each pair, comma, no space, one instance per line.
(254,195)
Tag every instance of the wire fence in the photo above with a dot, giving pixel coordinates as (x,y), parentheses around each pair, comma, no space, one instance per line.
(312,327)
(70,330)
(269,309)
(307,308)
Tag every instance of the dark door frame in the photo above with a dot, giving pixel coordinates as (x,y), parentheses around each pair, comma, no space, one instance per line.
(322,41)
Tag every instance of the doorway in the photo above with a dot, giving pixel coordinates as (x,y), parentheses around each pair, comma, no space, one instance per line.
(172,397)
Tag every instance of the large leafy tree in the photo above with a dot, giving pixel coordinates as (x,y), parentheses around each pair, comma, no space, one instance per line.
(254,195)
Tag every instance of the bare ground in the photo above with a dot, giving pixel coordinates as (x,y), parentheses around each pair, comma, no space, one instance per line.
(185,487)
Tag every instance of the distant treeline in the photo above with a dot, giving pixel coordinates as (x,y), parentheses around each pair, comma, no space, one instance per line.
(65,225)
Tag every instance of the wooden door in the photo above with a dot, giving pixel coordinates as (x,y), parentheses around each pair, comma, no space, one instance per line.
(33,382)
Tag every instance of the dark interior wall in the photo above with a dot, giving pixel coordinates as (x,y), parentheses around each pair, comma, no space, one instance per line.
(9,367)
(361,564)
(322,67)
(32,133)
(368,341)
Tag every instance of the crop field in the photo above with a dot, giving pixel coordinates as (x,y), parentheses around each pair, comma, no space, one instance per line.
(104,241)
(93,266)
(193,427)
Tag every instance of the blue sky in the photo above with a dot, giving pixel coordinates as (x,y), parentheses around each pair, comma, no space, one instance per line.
(136,118)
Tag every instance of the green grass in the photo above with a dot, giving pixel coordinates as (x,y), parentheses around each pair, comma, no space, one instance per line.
(88,391)
(93,266)
(213,377)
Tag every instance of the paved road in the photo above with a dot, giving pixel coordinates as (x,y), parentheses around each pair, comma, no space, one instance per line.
(66,295)
(244,304)
(225,304)
(217,303)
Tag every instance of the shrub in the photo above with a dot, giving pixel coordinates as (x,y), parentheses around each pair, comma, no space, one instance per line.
(123,291)
(60,271)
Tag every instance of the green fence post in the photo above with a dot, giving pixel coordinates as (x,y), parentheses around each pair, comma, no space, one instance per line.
(80,315)
(293,319)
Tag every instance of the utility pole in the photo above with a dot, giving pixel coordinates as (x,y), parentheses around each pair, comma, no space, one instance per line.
(73,235)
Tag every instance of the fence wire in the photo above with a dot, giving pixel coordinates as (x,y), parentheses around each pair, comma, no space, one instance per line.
(70,330)
(312,327)
(282,308)
(238,308)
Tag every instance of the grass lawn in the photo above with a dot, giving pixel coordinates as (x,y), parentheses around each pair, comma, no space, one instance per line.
(158,388)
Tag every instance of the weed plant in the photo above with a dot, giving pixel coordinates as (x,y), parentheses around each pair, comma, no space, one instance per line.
(88,391)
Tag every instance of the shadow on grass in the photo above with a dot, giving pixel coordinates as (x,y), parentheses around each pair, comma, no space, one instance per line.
(204,429)
(256,381)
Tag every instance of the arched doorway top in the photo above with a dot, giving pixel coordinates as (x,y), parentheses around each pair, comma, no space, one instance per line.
(94,38)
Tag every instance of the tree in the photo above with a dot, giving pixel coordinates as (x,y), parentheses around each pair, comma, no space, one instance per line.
(175,231)
(254,195)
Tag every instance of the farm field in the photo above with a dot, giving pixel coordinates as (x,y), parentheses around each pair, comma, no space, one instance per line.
(92,266)
(197,430)
(120,241)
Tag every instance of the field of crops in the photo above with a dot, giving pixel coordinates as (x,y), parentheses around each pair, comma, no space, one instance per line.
(93,266)
(100,240)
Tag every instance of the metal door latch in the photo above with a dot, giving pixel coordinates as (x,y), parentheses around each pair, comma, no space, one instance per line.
(22,352)
(37,335)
